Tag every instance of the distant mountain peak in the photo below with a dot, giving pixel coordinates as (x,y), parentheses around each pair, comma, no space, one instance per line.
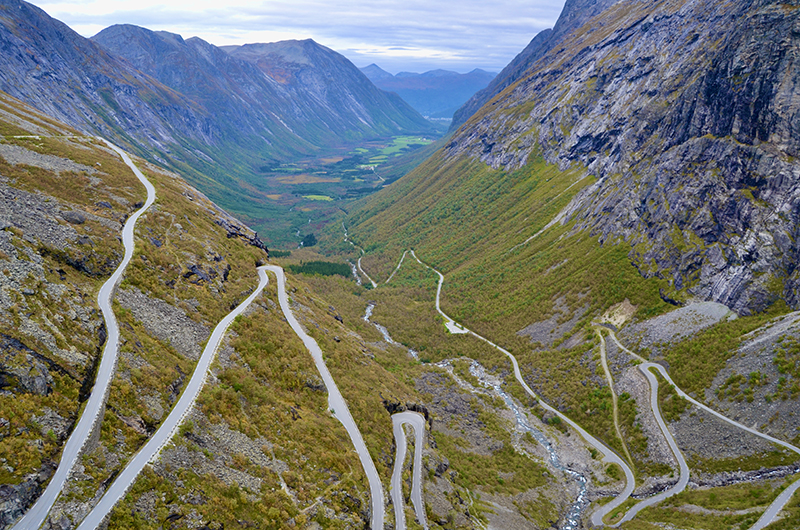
(435,93)
(375,72)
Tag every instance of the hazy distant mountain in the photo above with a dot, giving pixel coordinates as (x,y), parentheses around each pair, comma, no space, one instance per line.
(375,72)
(308,89)
(437,93)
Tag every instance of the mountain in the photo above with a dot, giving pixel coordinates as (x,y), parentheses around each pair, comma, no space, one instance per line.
(686,168)
(306,88)
(73,79)
(632,175)
(262,431)
(576,13)
(189,105)
(587,296)
(375,72)
(437,93)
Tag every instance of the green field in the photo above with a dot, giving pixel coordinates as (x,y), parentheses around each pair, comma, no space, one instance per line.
(305,194)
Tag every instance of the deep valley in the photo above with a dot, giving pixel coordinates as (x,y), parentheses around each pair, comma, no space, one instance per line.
(243,287)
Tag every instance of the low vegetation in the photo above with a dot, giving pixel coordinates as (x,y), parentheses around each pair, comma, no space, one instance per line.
(695,361)
(323,268)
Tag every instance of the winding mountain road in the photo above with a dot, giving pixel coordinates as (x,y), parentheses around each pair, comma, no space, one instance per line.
(336,402)
(167,430)
(777,505)
(399,264)
(683,480)
(346,238)
(417,421)
(609,456)
(36,515)
(451,325)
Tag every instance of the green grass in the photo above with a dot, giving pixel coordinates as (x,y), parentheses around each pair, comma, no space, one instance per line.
(768,459)
(697,360)
(734,497)
(324,268)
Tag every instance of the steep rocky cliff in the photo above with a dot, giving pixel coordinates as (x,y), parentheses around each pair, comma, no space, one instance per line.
(686,112)
(574,15)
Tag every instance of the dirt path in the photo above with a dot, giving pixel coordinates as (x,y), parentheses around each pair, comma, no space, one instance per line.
(614,400)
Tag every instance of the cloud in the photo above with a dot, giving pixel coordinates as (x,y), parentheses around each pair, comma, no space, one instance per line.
(397,35)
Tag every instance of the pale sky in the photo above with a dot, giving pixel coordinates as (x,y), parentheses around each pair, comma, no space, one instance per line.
(397,35)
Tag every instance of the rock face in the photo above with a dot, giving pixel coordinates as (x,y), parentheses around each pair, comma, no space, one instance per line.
(48,65)
(23,369)
(575,14)
(686,114)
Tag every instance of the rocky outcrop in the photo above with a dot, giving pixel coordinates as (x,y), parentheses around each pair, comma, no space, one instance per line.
(22,369)
(234,230)
(15,498)
(686,115)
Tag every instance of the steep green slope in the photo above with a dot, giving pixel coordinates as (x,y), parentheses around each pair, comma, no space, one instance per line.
(646,161)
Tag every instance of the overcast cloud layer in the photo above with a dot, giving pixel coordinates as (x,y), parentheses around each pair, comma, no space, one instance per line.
(397,35)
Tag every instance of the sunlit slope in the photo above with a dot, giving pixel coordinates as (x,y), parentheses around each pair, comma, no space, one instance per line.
(472,222)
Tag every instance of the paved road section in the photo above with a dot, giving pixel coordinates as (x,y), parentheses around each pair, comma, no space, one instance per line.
(609,456)
(336,402)
(451,325)
(684,468)
(777,505)
(168,428)
(36,515)
(417,421)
